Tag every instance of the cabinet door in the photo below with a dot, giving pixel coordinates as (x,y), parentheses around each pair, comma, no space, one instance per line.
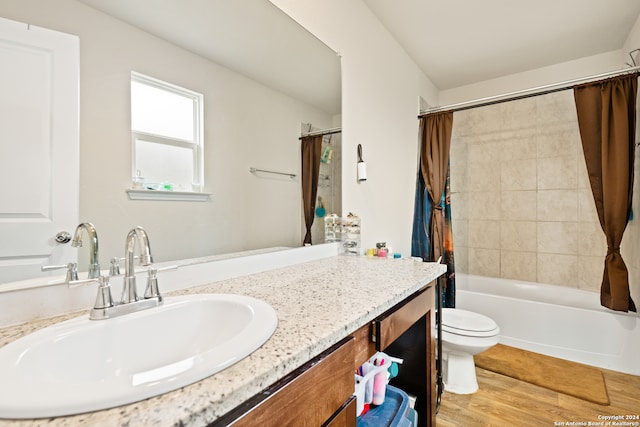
(308,397)
(39,147)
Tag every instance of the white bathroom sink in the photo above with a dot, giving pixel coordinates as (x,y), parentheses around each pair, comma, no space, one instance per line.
(83,365)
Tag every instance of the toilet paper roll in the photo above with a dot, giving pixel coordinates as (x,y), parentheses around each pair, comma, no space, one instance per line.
(362,171)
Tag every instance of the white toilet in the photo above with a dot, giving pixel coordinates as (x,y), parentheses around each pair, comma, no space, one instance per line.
(464,334)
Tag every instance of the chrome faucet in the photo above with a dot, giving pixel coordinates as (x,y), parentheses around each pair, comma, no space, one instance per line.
(129,292)
(94,264)
(105,307)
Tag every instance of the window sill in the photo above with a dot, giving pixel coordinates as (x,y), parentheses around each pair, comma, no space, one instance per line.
(179,196)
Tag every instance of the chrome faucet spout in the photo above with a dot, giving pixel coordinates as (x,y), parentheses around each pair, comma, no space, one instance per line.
(94,264)
(129,292)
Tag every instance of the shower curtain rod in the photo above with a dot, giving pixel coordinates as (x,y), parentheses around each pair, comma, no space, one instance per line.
(322,132)
(526,93)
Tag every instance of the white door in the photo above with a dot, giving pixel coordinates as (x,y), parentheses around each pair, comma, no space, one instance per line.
(39,148)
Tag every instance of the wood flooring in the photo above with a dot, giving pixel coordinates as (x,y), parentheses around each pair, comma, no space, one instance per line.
(504,401)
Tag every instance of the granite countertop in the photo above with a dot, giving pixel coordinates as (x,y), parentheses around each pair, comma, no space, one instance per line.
(318,303)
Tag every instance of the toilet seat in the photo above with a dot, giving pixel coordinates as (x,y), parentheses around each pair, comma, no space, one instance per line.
(467,323)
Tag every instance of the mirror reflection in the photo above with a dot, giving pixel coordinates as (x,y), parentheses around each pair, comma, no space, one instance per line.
(263,79)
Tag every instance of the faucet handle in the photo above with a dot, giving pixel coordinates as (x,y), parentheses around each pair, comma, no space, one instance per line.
(104,299)
(72,270)
(152,290)
(114,267)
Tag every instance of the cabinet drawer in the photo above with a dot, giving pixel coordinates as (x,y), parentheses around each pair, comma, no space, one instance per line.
(309,396)
(390,325)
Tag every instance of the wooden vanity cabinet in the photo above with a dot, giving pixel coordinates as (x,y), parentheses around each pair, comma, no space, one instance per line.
(320,393)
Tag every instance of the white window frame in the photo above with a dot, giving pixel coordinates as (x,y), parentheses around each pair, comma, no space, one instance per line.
(196,145)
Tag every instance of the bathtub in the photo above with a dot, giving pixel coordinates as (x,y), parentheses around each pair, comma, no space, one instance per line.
(554,320)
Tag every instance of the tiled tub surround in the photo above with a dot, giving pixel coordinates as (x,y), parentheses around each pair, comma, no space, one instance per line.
(318,303)
(521,205)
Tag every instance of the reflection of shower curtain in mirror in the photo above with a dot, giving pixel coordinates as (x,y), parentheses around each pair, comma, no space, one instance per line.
(311,151)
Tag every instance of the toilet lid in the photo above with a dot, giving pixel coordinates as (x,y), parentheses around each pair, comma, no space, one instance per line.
(468,323)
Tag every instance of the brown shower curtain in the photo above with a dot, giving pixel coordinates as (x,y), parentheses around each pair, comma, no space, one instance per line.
(434,164)
(607,121)
(311,149)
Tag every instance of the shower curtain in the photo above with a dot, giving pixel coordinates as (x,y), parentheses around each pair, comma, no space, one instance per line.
(432,235)
(311,152)
(607,121)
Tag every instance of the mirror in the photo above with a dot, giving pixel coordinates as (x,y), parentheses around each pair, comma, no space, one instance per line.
(262,76)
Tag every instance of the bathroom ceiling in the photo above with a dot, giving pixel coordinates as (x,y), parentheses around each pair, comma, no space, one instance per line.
(460,42)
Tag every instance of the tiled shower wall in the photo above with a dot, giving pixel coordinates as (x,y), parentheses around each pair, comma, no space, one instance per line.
(521,203)
(329,186)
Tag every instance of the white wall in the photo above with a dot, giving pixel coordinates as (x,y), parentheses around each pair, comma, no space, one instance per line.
(381,87)
(583,67)
(632,43)
(246,124)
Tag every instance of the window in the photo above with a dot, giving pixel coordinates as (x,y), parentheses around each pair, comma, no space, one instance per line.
(167,130)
